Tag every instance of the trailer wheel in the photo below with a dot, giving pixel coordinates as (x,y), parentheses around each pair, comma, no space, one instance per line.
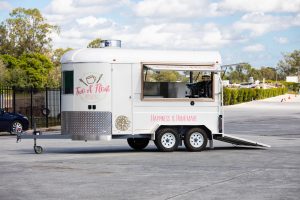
(38,149)
(195,139)
(138,143)
(167,139)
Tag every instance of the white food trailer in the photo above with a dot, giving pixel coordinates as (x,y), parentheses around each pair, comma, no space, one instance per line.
(170,97)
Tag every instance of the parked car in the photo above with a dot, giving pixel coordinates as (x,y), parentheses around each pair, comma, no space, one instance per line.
(247,85)
(13,122)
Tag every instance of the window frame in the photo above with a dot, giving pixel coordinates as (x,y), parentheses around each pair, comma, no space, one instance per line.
(201,99)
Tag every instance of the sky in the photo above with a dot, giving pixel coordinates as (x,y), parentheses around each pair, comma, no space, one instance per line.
(254,31)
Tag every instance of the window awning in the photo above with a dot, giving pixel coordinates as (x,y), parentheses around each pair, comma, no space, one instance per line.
(200,67)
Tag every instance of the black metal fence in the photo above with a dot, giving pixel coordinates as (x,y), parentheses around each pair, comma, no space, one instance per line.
(41,106)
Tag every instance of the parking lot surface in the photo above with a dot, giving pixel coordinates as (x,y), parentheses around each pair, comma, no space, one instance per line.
(111,170)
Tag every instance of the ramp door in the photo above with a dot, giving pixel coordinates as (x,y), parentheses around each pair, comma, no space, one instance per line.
(238,141)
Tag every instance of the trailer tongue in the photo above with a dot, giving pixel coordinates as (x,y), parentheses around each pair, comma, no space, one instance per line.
(239,141)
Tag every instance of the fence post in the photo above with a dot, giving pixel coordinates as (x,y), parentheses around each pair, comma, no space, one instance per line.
(47,122)
(14,99)
(31,107)
(2,91)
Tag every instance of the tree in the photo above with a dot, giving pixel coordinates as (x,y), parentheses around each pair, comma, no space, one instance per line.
(290,64)
(96,43)
(29,70)
(57,54)
(14,75)
(4,42)
(37,68)
(17,77)
(240,73)
(167,76)
(26,31)
(9,61)
(268,73)
(255,73)
(54,76)
(3,74)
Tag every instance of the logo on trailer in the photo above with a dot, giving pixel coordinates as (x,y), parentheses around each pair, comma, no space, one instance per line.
(92,87)
(122,123)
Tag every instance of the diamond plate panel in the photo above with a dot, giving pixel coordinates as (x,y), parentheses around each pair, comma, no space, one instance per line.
(86,125)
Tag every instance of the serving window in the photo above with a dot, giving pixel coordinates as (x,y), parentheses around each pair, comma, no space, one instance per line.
(161,81)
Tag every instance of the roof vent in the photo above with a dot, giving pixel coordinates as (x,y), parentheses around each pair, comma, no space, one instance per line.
(110,44)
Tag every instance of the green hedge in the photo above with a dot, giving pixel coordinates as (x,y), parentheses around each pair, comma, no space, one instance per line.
(292,86)
(233,96)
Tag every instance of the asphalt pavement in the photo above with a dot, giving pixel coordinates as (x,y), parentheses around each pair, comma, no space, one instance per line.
(111,170)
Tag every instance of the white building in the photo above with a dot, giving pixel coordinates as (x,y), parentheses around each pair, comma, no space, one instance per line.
(293,79)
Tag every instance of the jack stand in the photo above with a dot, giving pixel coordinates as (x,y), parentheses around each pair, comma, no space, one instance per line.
(37,149)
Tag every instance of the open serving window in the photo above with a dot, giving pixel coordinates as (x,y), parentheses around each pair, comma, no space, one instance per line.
(178,81)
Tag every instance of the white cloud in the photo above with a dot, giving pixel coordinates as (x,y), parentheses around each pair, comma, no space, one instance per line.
(156,36)
(60,7)
(64,12)
(4,5)
(259,23)
(259,6)
(254,48)
(82,7)
(78,27)
(165,24)
(92,21)
(82,21)
(90,2)
(77,33)
(173,9)
(281,40)
(176,36)
(79,15)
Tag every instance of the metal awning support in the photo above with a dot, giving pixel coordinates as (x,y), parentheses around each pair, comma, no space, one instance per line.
(188,67)
(239,141)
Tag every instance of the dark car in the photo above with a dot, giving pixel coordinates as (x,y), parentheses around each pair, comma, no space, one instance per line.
(13,122)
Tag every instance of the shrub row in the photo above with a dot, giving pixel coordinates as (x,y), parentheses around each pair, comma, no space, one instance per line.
(234,96)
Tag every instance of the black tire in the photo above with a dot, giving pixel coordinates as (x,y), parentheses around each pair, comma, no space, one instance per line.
(167,139)
(138,143)
(195,139)
(38,149)
(16,127)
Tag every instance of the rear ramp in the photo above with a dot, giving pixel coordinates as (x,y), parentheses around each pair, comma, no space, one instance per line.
(239,141)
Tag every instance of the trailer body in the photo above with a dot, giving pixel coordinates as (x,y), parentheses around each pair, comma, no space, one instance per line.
(170,97)
(113,93)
